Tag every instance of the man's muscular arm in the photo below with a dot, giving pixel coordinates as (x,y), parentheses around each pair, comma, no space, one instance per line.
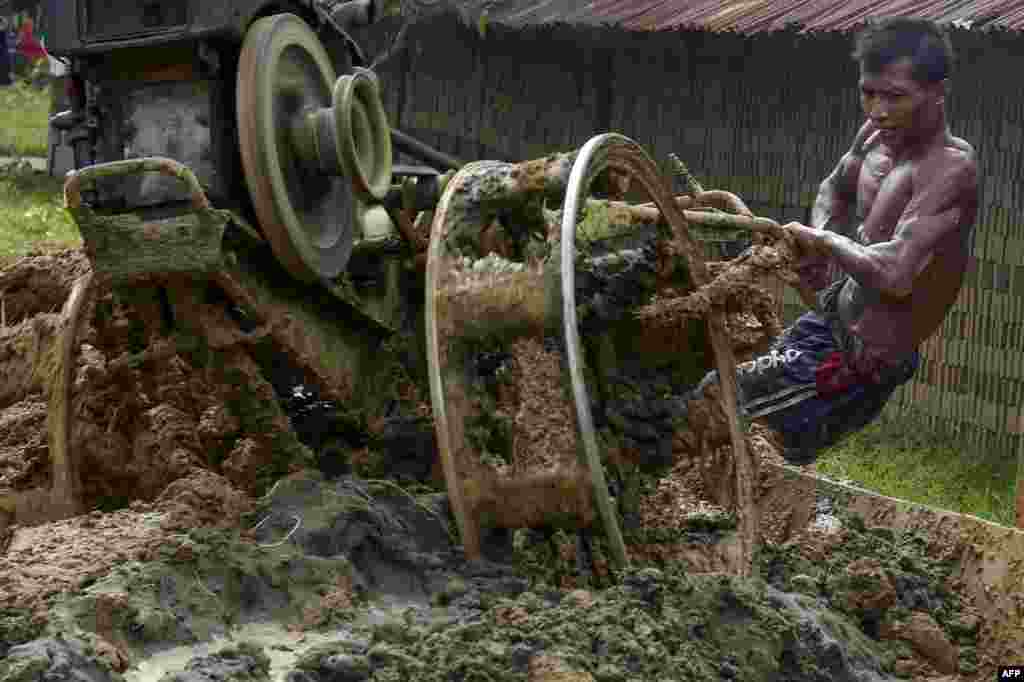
(891,267)
(836,196)
(833,207)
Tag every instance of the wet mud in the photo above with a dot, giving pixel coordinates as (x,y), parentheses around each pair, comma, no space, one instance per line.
(369,574)
(238,526)
(376,568)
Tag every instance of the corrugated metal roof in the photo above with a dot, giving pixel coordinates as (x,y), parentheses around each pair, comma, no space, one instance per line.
(756,16)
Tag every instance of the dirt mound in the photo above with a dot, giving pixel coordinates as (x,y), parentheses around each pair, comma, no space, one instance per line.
(151,403)
(39,284)
(24,452)
(27,358)
(46,563)
(202,498)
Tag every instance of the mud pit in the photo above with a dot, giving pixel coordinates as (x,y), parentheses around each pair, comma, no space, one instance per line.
(238,527)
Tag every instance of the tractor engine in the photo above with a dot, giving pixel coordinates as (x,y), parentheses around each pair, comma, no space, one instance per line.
(244,94)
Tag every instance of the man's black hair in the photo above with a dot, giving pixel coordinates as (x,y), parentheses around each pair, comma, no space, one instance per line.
(928,47)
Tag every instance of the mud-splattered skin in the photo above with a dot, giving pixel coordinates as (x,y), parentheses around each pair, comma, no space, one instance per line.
(911,187)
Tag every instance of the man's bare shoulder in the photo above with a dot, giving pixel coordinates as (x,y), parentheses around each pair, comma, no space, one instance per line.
(961,145)
(953,165)
(957,159)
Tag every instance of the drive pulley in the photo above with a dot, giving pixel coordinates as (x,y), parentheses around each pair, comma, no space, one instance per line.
(316,149)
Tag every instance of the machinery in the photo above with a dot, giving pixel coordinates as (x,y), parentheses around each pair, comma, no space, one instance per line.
(246,94)
(243,145)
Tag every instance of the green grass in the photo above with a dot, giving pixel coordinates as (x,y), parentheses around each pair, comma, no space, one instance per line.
(909,459)
(32,215)
(24,111)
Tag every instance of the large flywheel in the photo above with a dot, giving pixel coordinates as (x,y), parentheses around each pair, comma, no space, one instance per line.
(314,149)
(573,345)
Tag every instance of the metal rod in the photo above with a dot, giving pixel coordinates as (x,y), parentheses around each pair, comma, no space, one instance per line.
(735,222)
(415,171)
(423,151)
(680,170)
(593,155)
(711,219)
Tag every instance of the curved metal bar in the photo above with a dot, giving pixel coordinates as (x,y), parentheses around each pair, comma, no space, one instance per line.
(592,159)
(612,150)
(148,164)
(438,264)
(727,201)
(65,487)
(63,499)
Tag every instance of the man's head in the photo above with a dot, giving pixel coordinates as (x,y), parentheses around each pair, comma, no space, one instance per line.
(904,66)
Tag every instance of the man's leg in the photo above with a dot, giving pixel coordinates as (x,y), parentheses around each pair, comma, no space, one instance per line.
(818,424)
(781,378)
(780,387)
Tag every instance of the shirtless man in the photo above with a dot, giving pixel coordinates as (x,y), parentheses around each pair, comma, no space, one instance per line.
(886,254)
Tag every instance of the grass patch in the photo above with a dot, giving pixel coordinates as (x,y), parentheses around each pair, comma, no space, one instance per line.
(910,459)
(24,116)
(32,215)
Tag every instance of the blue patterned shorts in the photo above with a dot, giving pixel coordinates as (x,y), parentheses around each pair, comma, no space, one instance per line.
(784,388)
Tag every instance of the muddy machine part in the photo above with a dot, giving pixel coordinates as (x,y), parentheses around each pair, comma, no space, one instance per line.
(526,310)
